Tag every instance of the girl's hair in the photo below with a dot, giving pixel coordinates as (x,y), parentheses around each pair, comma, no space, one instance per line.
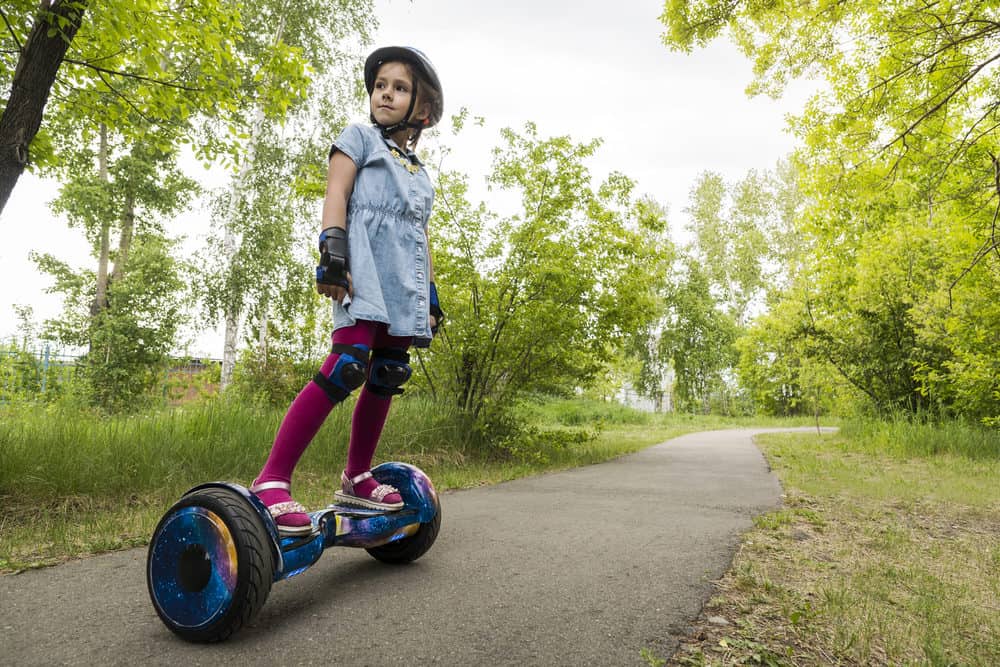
(426,94)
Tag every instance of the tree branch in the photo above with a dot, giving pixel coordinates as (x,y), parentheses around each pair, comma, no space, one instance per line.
(10,29)
(965,143)
(129,75)
(954,91)
(125,99)
(992,244)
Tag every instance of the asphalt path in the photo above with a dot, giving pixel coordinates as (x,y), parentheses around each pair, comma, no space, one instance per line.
(583,567)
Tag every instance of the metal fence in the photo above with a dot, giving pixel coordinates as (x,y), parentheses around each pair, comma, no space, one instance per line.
(39,369)
(27,369)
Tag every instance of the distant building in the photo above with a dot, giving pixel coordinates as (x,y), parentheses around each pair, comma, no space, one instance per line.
(663,402)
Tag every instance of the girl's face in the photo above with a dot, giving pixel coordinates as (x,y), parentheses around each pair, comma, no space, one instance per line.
(391,95)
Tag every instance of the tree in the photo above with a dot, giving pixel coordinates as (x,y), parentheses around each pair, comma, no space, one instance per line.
(901,184)
(735,238)
(41,54)
(279,165)
(893,67)
(101,63)
(537,300)
(697,336)
(737,250)
(127,317)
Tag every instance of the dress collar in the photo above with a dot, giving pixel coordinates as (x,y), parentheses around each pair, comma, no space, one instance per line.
(409,160)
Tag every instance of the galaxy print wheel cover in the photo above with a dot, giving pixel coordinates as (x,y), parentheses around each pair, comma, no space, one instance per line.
(193,567)
(414,485)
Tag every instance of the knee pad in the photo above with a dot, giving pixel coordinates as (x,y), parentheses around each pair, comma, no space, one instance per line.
(390,368)
(348,373)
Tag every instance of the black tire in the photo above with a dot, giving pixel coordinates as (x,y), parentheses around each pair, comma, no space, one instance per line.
(197,589)
(410,548)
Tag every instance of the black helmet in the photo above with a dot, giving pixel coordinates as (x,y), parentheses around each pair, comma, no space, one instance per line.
(415,58)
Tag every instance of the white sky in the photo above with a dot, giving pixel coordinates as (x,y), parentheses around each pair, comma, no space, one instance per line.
(586,68)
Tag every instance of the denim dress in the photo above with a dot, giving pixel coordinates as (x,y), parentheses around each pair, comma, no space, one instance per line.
(386,235)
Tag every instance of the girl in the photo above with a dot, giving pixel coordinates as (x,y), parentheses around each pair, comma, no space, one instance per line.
(376,266)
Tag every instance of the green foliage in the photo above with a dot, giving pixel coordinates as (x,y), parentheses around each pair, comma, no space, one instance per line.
(583,412)
(33,375)
(698,337)
(261,251)
(126,318)
(273,380)
(894,283)
(165,63)
(781,370)
(537,301)
(129,342)
(263,241)
(129,108)
(739,248)
(735,231)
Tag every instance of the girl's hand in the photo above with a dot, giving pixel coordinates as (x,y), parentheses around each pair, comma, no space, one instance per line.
(336,292)
(436,314)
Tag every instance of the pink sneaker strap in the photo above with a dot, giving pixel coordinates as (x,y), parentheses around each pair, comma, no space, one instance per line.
(264,486)
(359,478)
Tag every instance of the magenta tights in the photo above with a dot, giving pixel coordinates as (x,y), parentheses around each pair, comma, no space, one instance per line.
(311,406)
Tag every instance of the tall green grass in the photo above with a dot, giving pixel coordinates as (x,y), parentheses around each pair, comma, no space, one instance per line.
(51,451)
(906,438)
(583,412)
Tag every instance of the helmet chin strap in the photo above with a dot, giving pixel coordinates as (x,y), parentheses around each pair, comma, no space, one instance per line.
(406,123)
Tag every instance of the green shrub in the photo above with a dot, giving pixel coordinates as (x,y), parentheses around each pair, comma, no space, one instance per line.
(274,379)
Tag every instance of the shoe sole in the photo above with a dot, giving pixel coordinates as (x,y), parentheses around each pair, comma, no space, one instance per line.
(342,498)
(294,531)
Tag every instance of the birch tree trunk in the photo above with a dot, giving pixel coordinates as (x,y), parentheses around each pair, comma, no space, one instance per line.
(262,335)
(234,304)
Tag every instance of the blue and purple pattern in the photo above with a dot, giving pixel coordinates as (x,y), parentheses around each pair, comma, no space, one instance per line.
(345,526)
(193,567)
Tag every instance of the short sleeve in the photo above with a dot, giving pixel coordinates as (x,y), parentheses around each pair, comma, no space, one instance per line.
(352,143)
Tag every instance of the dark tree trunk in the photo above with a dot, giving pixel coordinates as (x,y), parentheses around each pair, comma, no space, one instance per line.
(125,239)
(36,70)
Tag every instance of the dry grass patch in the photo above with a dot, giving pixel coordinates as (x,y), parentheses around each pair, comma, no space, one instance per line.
(866,564)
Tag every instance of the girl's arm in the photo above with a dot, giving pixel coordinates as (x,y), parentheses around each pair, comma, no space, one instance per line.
(339,186)
(430,275)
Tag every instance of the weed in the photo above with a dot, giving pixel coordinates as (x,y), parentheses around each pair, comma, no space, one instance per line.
(650,657)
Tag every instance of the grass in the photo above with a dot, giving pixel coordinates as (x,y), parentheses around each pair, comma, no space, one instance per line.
(885,552)
(74,484)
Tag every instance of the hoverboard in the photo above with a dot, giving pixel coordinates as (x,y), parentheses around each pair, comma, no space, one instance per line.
(216,552)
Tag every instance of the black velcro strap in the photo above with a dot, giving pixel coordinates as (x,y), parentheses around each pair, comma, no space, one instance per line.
(384,392)
(359,353)
(394,353)
(333,392)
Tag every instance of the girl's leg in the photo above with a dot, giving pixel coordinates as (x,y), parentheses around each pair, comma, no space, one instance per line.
(301,423)
(367,422)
